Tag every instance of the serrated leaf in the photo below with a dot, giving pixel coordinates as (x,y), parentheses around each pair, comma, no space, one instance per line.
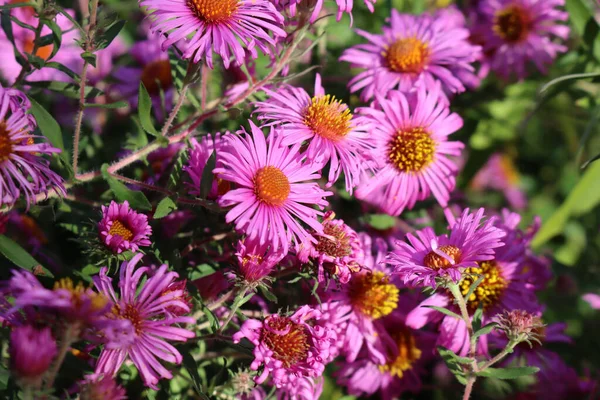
(508,373)
(454,363)
(268,294)
(20,257)
(145,111)
(136,199)
(445,311)
(105,38)
(165,207)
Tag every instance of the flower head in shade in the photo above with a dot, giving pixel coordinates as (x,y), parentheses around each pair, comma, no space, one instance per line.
(23,169)
(500,173)
(288,348)
(519,32)
(145,305)
(95,387)
(427,256)
(228,28)
(199,155)
(410,134)
(31,352)
(255,260)
(334,136)
(272,198)
(413,51)
(121,228)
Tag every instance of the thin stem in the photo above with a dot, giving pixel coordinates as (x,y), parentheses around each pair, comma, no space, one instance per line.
(462,305)
(506,351)
(204,86)
(175,110)
(236,304)
(69,336)
(469,387)
(25,69)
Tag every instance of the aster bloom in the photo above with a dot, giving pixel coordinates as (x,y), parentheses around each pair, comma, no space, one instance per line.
(301,389)
(288,348)
(343,6)
(519,32)
(255,260)
(121,228)
(413,51)
(95,387)
(500,173)
(427,256)
(272,194)
(199,155)
(145,305)
(23,170)
(334,136)
(31,353)
(410,133)
(219,26)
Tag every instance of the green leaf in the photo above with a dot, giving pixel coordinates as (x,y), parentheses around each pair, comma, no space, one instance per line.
(192,368)
(178,68)
(145,111)
(454,363)
(485,330)
(18,256)
(56,36)
(508,373)
(566,78)
(381,222)
(445,311)
(584,24)
(118,104)
(268,294)
(105,39)
(473,286)
(136,199)
(165,207)
(207,176)
(477,315)
(68,89)
(64,69)
(89,57)
(15,5)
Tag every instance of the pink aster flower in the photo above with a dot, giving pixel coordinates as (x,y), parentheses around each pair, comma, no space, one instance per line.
(519,32)
(222,27)
(145,305)
(255,260)
(199,155)
(500,173)
(410,133)
(273,197)
(427,256)
(22,169)
(101,387)
(31,353)
(413,51)
(301,389)
(288,348)
(121,228)
(334,136)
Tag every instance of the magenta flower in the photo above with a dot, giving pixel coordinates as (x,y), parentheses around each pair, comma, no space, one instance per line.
(593,300)
(343,6)
(334,136)
(222,27)
(255,260)
(121,228)
(427,256)
(288,348)
(271,196)
(145,305)
(22,169)
(519,32)
(31,353)
(410,133)
(414,51)
(199,154)
(95,387)
(302,388)
(500,173)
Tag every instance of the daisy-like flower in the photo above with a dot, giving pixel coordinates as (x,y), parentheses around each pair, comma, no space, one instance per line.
(270,197)
(288,348)
(413,51)
(427,256)
(22,169)
(121,228)
(199,154)
(334,136)
(255,260)
(519,32)
(500,173)
(219,26)
(410,134)
(145,305)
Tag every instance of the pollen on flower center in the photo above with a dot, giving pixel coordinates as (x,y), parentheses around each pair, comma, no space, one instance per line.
(119,229)
(131,313)
(288,340)
(271,186)
(328,117)
(334,242)
(407,55)
(512,24)
(408,353)
(489,291)
(436,261)
(79,293)
(213,11)
(411,151)
(6,144)
(157,75)
(373,294)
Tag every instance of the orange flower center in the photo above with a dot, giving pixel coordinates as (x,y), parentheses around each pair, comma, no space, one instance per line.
(409,55)
(411,151)
(373,294)
(408,353)
(42,52)
(489,291)
(214,11)
(328,117)
(336,243)
(119,229)
(288,340)
(271,186)
(80,293)
(512,24)
(157,75)
(131,313)
(435,261)
(6,144)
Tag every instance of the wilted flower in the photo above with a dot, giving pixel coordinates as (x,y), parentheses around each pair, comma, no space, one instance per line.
(121,228)
(520,325)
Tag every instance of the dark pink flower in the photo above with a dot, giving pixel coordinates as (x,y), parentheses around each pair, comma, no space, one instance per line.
(31,352)
(121,228)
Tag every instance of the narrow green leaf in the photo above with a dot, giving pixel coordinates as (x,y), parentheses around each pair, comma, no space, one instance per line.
(63,68)
(165,207)
(105,38)
(381,221)
(118,104)
(567,78)
(485,329)
(508,373)
(89,57)
(56,36)
(192,367)
(145,111)
(206,181)
(68,89)
(19,256)
(445,311)
(477,315)
(136,199)
(268,294)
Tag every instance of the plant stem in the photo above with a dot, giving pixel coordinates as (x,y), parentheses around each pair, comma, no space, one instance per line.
(175,110)
(204,86)
(462,305)
(506,351)
(69,336)
(25,69)
(469,387)
(236,304)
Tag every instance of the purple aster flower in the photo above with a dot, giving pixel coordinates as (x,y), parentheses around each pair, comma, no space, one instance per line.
(517,32)
(23,170)
(199,154)
(334,136)
(427,256)
(410,134)
(219,26)
(414,51)
(95,387)
(121,228)
(343,6)
(255,260)
(145,304)
(288,348)
(500,173)
(302,388)
(272,196)
(31,353)
(593,300)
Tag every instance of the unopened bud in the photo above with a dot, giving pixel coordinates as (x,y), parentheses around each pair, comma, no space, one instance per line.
(521,326)
(31,353)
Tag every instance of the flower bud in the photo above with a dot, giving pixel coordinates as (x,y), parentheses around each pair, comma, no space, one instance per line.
(520,326)
(31,353)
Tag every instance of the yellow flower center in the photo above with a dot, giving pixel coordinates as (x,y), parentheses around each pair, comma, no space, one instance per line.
(328,117)
(79,293)
(6,144)
(489,291)
(373,294)
(435,261)
(157,75)
(271,186)
(131,313)
(336,243)
(512,24)
(288,340)
(214,11)
(408,353)
(409,55)
(119,229)
(411,151)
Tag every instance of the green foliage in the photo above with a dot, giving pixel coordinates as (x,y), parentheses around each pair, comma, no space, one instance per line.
(136,198)
(165,207)
(18,256)
(508,373)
